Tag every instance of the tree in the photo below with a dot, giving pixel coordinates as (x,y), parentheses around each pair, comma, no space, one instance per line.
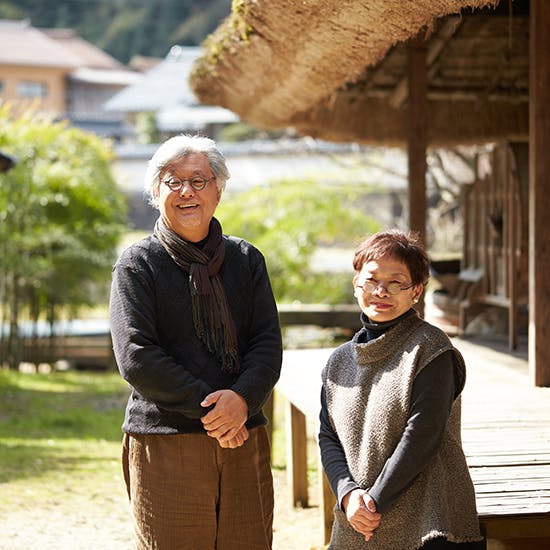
(61,216)
(288,220)
(147,129)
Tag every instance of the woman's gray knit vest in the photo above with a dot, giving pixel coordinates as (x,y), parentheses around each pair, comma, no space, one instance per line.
(368,389)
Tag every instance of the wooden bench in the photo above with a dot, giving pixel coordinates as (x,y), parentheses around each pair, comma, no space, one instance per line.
(300,385)
(463,295)
(459,294)
(509,459)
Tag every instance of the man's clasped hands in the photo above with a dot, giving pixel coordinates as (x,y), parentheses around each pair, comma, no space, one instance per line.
(226,421)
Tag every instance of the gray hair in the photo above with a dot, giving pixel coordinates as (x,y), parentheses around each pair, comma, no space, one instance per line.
(179,147)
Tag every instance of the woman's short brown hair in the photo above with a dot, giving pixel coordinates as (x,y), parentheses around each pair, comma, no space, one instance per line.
(403,246)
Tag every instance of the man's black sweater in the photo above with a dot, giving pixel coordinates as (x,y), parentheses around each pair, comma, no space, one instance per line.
(169,369)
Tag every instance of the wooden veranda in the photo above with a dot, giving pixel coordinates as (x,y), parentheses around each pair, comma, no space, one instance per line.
(506,438)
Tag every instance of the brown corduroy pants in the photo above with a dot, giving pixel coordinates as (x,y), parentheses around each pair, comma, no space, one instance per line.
(188,493)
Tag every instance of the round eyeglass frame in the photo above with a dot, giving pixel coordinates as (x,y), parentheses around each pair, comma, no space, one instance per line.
(198,183)
(391,288)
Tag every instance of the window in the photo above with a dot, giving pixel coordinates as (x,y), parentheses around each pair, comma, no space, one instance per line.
(28,88)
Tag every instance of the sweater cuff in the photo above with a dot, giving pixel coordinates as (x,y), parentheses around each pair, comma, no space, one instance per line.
(345,486)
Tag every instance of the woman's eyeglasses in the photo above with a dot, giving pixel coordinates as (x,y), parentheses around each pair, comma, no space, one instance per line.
(394,288)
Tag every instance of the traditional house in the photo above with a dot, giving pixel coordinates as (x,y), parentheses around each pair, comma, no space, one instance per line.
(164,92)
(416,74)
(59,73)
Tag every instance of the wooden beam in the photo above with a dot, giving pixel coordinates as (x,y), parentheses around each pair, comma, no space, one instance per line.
(539,192)
(520,527)
(436,46)
(417,136)
(417,142)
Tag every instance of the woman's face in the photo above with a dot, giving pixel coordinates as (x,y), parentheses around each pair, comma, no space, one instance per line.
(188,212)
(371,289)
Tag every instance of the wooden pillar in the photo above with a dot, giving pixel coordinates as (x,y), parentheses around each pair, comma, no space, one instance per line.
(296,456)
(513,205)
(539,193)
(417,136)
(417,140)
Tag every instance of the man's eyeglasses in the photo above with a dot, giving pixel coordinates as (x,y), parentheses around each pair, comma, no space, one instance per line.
(391,288)
(198,183)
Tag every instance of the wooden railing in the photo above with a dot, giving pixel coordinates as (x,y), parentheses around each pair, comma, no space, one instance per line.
(78,351)
(95,351)
(320,315)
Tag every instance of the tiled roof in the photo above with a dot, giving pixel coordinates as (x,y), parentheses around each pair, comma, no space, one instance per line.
(90,55)
(174,119)
(116,77)
(165,85)
(22,44)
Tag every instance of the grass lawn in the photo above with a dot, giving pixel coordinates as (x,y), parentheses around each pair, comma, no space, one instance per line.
(59,434)
(60,473)
(52,419)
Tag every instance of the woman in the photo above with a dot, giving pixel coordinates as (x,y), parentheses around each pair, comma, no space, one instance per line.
(390,417)
(196,335)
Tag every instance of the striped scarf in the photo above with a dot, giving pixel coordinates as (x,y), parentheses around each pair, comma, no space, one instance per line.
(212,318)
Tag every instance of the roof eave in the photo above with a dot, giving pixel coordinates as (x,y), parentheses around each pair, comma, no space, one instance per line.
(271,62)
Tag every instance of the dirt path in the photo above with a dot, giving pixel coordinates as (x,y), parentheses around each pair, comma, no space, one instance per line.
(93,523)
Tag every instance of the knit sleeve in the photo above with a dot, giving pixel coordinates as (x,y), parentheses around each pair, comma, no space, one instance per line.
(432,396)
(140,358)
(262,358)
(333,457)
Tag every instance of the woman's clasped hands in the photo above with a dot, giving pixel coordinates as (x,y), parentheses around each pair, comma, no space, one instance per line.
(361,512)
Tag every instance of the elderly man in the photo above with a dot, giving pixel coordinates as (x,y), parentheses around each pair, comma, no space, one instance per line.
(196,335)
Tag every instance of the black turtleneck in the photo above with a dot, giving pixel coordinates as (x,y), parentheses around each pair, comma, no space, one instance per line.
(432,396)
(372,330)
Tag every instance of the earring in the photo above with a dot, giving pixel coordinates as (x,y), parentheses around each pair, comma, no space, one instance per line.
(415,301)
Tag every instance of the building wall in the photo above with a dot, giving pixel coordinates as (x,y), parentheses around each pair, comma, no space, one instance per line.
(86,100)
(52,81)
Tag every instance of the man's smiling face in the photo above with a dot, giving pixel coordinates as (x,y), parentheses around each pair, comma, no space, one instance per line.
(188,212)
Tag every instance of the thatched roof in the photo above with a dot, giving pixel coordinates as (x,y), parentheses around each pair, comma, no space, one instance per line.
(336,69)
